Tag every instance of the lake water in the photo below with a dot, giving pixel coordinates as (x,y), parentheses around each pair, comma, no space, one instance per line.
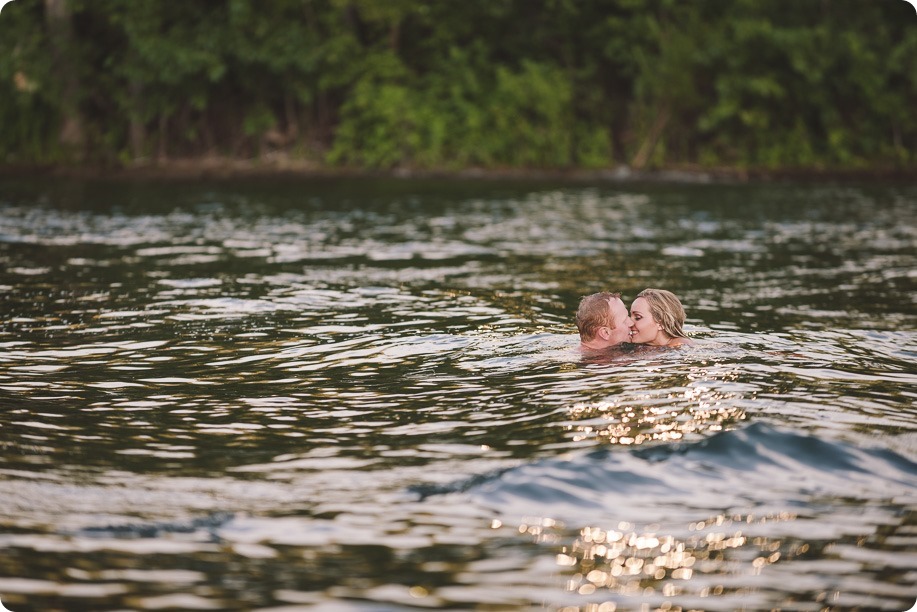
(367,395)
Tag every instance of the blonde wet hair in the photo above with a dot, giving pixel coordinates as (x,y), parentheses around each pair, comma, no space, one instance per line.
(666,310)
(594,312)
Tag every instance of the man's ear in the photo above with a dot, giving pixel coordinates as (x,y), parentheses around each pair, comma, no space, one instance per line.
(604,333)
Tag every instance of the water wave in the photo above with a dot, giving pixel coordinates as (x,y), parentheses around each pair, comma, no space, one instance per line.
(755,464)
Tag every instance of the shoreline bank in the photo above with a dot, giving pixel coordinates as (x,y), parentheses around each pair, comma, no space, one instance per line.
(229,169)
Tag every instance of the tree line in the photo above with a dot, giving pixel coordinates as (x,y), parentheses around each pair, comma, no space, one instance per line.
(448,84)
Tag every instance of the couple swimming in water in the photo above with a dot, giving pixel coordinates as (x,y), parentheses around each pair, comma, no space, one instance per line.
(656,318)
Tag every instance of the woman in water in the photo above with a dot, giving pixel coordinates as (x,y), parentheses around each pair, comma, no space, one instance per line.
(658,319)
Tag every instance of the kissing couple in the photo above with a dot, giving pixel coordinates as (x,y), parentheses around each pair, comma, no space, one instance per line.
(656,318)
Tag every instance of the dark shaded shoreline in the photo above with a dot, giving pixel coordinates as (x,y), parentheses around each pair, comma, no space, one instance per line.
(228,169)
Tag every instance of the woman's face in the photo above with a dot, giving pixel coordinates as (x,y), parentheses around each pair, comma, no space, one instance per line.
(646,330)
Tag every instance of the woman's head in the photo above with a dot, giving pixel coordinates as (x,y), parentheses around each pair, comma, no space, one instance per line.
(655,311)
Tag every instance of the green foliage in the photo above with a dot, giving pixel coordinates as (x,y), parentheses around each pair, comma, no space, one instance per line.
(529,117)
(492,83)
(502,118)
(29,114)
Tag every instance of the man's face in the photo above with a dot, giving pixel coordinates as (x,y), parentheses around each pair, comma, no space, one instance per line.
(622,322)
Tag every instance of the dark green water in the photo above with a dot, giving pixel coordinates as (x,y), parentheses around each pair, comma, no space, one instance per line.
(366,395)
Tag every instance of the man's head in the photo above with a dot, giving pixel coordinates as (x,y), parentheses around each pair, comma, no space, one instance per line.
(602,320)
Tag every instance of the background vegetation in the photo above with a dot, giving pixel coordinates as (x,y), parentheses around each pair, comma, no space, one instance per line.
(452,84)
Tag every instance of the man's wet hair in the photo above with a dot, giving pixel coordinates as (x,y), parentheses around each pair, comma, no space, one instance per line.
(594,312)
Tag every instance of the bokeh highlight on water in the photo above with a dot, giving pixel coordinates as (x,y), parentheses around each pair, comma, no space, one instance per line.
(366,395)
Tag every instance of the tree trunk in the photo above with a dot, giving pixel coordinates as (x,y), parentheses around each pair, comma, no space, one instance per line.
(161,155)
(137,129)
(649,143)
(394,36)
(60,30)
(289,109)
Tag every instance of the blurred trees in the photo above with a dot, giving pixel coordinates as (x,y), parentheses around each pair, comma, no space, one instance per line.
(491,83)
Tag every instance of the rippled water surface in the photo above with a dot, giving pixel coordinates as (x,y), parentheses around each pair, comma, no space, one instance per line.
(367,395)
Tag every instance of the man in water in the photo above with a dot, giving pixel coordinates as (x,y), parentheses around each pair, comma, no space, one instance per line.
(602,321)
